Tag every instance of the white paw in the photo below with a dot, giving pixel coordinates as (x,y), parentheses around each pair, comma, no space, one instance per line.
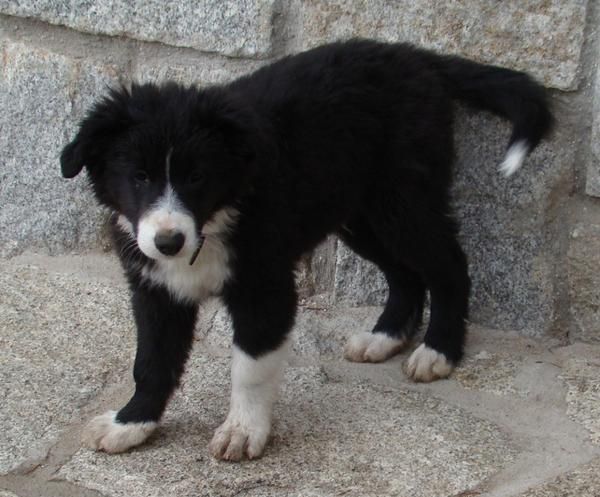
(372,347)
(105,433)
(233,440)
(426,364)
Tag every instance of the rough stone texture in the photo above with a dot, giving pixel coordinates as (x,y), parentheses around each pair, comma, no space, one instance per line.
(592,185)
(319,424)
(190,71)
(58,349)
(494,373)
(517,414)
(540,36)
(506,224)
(43,95)
(582,377)
(505,230)
(584,275)
(230,27)
(357,281)
(581,482)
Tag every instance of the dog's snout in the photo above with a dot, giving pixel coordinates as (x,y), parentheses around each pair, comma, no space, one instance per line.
(169,242)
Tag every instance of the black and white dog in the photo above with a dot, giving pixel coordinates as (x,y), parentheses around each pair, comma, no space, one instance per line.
(220,191)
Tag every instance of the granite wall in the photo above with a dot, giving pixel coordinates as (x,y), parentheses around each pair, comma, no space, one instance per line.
(533,240)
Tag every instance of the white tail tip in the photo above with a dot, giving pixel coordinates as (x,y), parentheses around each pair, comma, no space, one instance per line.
(514,158)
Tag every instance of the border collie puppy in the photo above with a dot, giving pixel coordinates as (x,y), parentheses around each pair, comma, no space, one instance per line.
(221,190)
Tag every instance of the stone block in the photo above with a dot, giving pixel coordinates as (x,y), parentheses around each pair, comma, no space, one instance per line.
(65,331)
(357,281)
(505,230)
(542,37)
(592,185)
(43,95)
(229,27)
(584,273)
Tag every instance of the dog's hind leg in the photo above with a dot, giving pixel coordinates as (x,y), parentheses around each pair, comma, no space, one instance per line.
(449,284)
(423,233)
(403,310)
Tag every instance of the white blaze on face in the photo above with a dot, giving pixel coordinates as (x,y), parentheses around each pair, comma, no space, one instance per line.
(167,214)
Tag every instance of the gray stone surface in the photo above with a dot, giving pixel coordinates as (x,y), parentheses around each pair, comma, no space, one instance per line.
(43,95)
(357,281)
(64,333)
(583,273)
(517,414)
(581,482)
(505,230)
(582,377)
(212,70)
(543,37)
(507,225)
(592,185)
(230,27)
(320,424)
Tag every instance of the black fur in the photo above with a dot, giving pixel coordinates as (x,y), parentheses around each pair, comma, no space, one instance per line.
(350,138)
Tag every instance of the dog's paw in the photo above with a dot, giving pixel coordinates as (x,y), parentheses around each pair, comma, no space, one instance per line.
(372,347)
(105,433)
(426,364)
(234,440)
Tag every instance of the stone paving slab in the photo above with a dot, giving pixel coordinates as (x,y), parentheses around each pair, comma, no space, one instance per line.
(64,333)
(581,482)
(331,438)
(582,377)
(67,343)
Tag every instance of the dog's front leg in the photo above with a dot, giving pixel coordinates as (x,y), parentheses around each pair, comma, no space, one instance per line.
(254,387)
(262,315)
(165,331)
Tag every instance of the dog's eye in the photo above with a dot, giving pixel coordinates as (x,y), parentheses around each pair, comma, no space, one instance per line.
(196,177)
(141,176)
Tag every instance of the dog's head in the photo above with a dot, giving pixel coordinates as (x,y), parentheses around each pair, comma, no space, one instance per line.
(167,159)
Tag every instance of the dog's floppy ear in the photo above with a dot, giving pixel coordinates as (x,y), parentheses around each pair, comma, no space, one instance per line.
(72,159)
(106,119)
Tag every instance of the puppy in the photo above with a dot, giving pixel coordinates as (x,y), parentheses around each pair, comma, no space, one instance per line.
(221,190)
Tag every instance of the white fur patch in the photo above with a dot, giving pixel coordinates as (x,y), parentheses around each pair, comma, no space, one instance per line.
(514,157)
(426,364)
(105,433)
(125,225)
(372,347)
(254,387)
(209,272)
(167,214)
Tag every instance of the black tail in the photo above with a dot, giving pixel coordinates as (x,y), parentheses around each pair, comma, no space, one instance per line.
(510,94)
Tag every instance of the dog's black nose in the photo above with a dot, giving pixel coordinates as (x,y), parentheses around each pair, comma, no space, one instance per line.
(169,242)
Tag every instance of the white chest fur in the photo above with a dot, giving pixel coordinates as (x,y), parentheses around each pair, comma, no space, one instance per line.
(194,283)
(210,270)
